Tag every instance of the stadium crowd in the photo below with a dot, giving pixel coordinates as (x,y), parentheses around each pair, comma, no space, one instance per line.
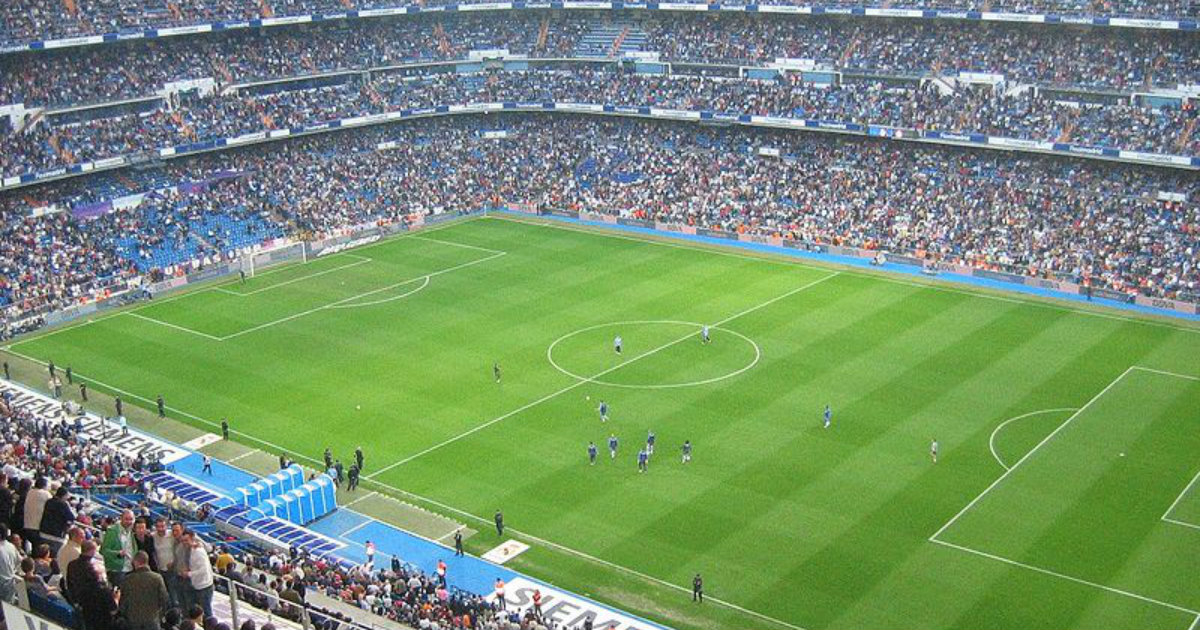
(1049,217)
(67,545)
(1091,58)
(39,19)
(1021,115)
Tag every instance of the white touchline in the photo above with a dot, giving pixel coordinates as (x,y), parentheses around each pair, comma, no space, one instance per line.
(362,498)
(876,275)
(585,556)
(1195,624)
(1030,453)
(442,506)
(578,383)
(991,556)
(242,456)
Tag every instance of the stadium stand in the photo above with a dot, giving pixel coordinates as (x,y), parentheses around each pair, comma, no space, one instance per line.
(74,487)
(1123,228)
(1132,230)
(35,19)
(966,110)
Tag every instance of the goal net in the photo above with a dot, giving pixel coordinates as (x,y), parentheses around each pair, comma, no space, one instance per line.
(271,256)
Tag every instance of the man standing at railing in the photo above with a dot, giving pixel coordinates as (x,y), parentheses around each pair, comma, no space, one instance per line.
(57,516)
(143,596)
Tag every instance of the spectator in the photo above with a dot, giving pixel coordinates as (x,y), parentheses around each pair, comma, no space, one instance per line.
(143,541)
(35,506)
(200,574)
(144,596)
(118,548)
(9,561)
(89,592)
(36,584)
(57,516)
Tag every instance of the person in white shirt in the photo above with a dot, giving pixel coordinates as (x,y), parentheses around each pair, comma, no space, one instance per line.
(35,506)
(200,573)
(10,562)
(70,549)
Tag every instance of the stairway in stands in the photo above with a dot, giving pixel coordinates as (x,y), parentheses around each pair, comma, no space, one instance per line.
(610,39)
(1181,145)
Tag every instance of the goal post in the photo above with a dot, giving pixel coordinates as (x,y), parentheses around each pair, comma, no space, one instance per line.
(282,253)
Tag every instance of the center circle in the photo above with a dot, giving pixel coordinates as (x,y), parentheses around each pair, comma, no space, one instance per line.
(716,332)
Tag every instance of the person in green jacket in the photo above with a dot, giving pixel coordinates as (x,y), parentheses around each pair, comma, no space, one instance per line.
(118,548)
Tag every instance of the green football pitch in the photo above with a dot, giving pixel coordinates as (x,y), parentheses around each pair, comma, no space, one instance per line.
(1065,493)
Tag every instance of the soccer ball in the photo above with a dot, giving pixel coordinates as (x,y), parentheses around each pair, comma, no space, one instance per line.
(589,397)
(359,407)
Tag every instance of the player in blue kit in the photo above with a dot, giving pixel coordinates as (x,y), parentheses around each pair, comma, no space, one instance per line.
(603,409)
(612,446)
(643,461)
(592,451)
(828,416)
(650,443)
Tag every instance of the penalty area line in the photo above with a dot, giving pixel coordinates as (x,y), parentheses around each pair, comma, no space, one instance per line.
(591,379)
(1167,515)
(1033,450)
(361,261)
(999,427)
(174,326)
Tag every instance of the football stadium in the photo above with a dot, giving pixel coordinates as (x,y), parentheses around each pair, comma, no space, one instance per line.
(599,315)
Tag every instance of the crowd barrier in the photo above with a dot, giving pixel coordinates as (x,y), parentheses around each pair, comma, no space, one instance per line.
(1180,24)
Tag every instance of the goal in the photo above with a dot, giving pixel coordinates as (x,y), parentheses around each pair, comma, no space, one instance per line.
(270,256)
